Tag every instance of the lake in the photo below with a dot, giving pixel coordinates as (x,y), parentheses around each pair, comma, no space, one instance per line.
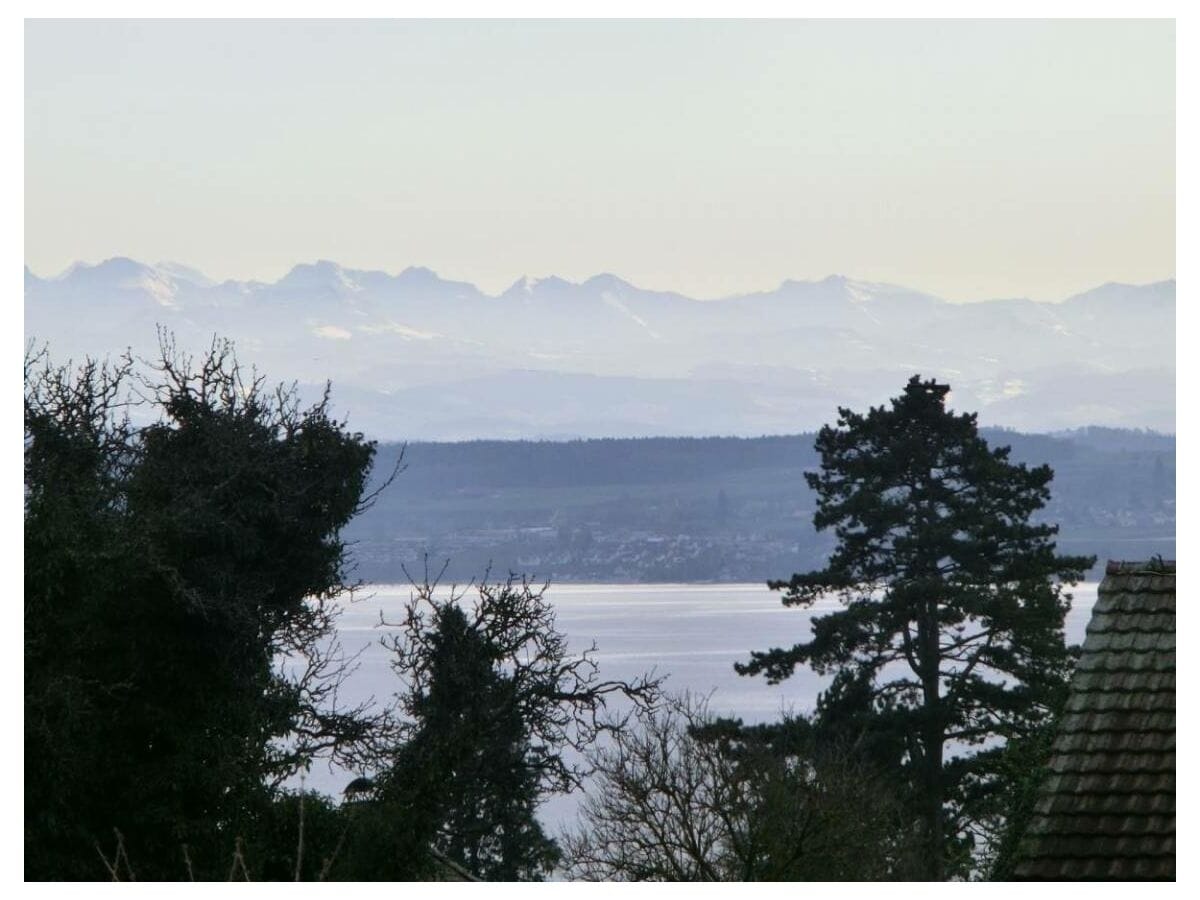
(692,633)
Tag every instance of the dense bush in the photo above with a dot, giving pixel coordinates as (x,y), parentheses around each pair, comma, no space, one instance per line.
(169,568)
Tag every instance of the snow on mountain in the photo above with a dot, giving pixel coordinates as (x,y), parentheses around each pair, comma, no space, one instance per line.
(184,274)
(767,362)
(312,279)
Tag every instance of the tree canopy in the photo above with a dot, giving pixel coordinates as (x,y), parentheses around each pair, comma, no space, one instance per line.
(183,562)
(171,568)
(498,711)
(949,639)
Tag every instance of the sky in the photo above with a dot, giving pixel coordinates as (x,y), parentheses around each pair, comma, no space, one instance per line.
(970,159)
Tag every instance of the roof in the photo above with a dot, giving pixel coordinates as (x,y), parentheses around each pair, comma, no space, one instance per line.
(1106,809)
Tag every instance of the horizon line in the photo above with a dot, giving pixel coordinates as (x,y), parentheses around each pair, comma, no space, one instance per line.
(526,279)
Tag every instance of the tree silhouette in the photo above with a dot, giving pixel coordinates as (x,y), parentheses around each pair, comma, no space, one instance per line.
(179,579)
(499,711)
(950,633)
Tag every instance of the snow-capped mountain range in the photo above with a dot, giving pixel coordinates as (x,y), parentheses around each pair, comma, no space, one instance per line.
(414,356)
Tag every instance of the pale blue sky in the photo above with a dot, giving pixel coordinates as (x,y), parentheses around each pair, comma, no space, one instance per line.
(970,159)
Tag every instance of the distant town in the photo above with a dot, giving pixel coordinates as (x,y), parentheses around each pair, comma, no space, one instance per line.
(706,509)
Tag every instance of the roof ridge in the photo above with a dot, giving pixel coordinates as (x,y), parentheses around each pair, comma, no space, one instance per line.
(1155,566)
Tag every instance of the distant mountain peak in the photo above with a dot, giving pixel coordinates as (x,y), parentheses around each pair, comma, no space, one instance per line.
(180,272)
(1158,291)
(523,285)
(321,266)
(114,266)
(118,273)
(838,286)
(606,281)
(833,280)
(324,275)
(529,286)
(419,273)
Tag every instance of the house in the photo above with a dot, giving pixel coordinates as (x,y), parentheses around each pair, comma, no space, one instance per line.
(1106,807)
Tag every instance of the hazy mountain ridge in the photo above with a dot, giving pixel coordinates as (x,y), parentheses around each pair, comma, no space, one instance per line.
(415,356)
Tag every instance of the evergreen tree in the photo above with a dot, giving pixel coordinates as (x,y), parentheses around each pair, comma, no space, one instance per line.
(470,737)
(170,571)
(950,637)
(497,707)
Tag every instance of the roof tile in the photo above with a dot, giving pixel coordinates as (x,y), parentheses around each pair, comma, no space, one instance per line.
(1106,807)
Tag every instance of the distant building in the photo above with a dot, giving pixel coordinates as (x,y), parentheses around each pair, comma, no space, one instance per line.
(1106,809)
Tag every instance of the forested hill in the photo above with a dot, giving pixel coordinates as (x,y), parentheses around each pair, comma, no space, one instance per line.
(705,509)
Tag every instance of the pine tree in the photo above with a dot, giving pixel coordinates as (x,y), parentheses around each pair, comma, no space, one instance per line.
(950,636)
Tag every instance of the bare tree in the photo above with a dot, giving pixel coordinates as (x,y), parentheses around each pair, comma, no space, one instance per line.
(686,797)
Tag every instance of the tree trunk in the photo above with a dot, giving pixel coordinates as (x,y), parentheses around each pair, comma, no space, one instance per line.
(932,737)
(934,809)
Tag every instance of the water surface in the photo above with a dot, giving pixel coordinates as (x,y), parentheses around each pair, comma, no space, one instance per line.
(692,633)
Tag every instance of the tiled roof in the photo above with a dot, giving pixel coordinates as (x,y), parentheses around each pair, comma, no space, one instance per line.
(1106,809)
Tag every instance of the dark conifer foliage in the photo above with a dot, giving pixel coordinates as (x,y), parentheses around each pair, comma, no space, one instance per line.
(498,711)
(169,568)
(950,633)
